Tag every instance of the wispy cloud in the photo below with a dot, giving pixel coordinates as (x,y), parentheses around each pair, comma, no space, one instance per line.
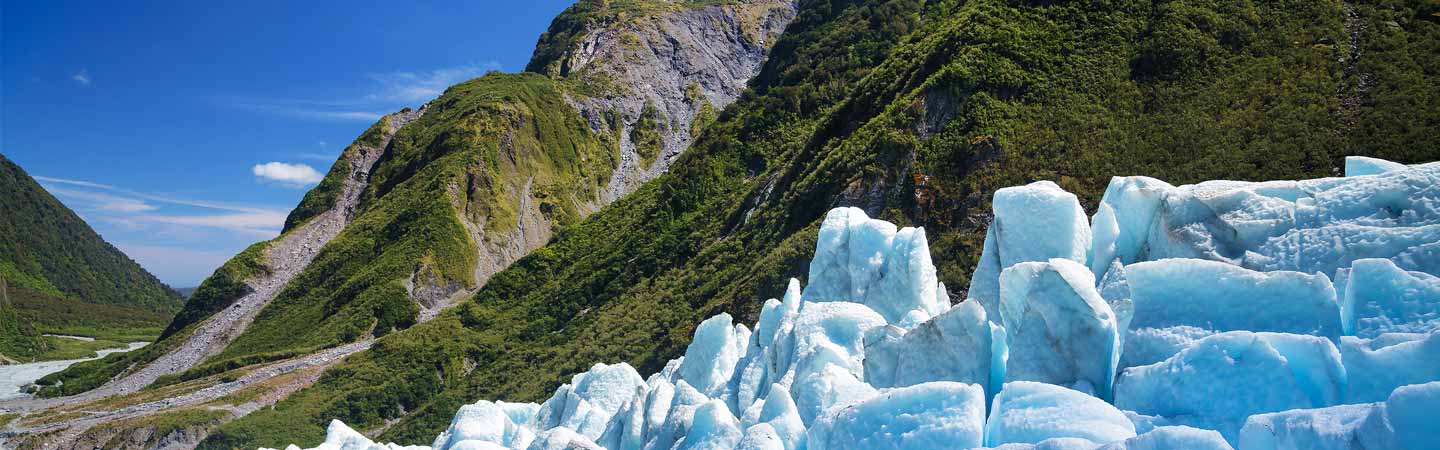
(304,109)
(323,157)
(135,210)
(262,224)
(82,77)
(389,91)
(178,267)
(75,182)
(102,201)
(418,87)
(292,175)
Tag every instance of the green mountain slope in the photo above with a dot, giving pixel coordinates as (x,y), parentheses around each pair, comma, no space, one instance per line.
(63,278)
(915,111)
(428,204)
(45,247)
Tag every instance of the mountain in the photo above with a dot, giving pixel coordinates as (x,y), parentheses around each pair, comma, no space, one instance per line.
(429,203)
(916,112)
(591,209)
(62,278)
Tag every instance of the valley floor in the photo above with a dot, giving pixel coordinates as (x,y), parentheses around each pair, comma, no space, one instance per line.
(175,416)
(14,377)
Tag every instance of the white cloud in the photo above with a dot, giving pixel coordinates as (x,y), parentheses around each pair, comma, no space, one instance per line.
(44,180)
(82,77)
(293,175)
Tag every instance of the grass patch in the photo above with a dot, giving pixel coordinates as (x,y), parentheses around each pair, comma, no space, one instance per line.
(66,348)
(87,375)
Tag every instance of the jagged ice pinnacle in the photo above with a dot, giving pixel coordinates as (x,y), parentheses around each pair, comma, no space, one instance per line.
(1221,315)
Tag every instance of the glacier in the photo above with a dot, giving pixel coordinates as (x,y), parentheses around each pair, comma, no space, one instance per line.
(1220,315)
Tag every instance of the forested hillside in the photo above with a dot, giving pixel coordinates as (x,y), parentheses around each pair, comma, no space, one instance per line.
(63,278)
(46,248)
(914,111)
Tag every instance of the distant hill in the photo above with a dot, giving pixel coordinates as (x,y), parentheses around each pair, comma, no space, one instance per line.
(185,292)
(61,277)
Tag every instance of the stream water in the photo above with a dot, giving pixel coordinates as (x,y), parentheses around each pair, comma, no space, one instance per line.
(15,376)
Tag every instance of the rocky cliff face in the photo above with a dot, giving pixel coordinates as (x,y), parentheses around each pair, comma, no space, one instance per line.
(649,83)
(667,76)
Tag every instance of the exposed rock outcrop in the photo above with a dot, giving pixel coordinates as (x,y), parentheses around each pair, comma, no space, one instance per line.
(680,67)
(654,78)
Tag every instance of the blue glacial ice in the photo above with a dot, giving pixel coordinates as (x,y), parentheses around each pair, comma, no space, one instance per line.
(935,415)
(1177,301)
(870,262)
(1220,380)
(1220,315)
(1380,297)
(1033,223)
(961,346)
(1057,327)
(1380,365)
(1361,165)
(497,423)
(587,403)
(1161,438)
(1031,412)
(1405,420)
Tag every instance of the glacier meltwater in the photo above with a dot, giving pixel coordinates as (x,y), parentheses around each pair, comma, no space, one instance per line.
(1221,315)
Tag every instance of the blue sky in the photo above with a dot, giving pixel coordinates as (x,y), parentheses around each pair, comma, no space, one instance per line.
(184,131)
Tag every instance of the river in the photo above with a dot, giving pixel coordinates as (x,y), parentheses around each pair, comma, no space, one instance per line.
(15,376)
